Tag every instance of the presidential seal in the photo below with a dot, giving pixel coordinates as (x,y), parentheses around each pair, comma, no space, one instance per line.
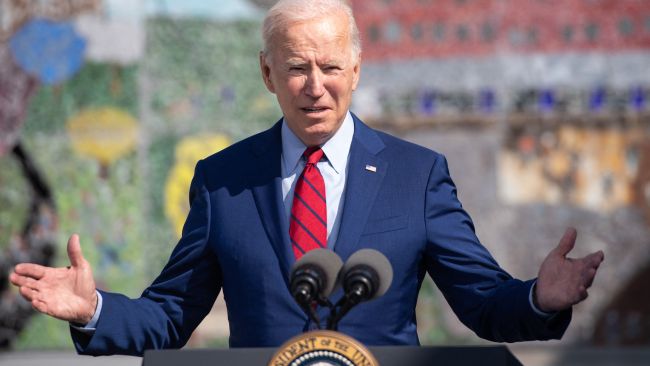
(322,348)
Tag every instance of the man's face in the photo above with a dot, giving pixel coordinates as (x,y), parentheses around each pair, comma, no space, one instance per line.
(312,71)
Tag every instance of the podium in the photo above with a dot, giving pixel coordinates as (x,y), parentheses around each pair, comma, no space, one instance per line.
(386,356)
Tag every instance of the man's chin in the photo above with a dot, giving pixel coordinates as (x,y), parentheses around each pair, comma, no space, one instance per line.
(317,135)
(316,131)
(317,123)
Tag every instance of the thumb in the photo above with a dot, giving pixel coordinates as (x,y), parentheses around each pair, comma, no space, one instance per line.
(567,242)
(74,251)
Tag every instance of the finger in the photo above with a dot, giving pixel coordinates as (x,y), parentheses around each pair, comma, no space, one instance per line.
(594,259)
(27,293)
(74,251)
(589,277)
(567,242)
(40,306)
(23,281)
(32,270)
(15,279)
(582,293)
(601,254)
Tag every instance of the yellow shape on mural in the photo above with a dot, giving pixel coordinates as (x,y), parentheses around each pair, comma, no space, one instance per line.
(104,133)
(188,152)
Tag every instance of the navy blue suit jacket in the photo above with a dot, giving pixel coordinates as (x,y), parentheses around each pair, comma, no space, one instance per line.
(236,239)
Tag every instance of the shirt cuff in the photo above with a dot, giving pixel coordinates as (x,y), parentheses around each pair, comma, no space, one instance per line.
(90,327)
(543,314)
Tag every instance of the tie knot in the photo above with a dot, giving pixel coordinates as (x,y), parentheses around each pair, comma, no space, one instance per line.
(313,154)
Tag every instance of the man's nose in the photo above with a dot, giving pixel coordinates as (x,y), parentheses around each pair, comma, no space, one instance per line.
(314,85)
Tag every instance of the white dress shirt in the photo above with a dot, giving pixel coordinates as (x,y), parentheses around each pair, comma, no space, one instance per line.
(333,167)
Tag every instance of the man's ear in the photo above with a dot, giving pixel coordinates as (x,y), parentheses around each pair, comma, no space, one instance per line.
(356,72)
(266,72)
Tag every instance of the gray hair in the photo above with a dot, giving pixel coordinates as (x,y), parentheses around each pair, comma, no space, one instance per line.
(285,12)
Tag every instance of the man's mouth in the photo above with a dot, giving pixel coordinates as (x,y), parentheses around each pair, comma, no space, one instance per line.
(314,109)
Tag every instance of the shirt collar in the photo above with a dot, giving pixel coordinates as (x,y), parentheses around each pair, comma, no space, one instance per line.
(336,149)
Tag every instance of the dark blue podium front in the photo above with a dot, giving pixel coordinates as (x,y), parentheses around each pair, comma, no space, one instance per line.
(386,356)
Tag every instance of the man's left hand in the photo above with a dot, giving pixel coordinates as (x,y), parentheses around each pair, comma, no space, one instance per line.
(563,282)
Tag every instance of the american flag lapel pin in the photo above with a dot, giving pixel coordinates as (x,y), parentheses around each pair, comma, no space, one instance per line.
(371,168)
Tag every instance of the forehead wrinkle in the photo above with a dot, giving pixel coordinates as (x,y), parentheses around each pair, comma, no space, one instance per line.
(325,42)
(313,42)
(300,54)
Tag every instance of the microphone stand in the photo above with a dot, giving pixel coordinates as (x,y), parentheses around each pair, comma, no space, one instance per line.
(310,307)
(357,293)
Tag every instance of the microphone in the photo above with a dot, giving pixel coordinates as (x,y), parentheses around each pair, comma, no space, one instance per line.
(313,278)
(366,275)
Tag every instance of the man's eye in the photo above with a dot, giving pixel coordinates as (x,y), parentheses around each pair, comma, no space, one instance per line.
(296,68)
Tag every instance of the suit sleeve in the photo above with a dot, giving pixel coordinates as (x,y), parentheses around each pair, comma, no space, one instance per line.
(483,296)
(173,306)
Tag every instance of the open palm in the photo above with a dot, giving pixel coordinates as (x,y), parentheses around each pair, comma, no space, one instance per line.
(67,293)
(563,282)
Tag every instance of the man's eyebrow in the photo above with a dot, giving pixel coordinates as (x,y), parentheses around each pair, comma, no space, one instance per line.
(295,62)
(333,62)
(300,62)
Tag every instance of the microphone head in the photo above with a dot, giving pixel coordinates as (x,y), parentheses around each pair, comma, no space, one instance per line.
(371,258)
(324,261)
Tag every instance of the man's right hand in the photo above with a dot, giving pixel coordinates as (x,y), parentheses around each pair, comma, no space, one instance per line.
(66,293)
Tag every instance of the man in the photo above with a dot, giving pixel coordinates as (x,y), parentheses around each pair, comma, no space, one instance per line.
(354,188)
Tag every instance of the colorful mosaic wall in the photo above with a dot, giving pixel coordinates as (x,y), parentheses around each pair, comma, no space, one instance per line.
(106,106)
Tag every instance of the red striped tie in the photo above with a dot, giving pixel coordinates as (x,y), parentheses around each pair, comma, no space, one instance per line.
(308,224)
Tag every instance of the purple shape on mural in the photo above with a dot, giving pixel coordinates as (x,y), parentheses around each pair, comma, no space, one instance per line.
(597,99)
(51,51)
(546,100)
(638,98)
(428,102)
(16,87)
(487,100)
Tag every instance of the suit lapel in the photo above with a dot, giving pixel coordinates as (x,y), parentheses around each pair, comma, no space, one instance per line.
(268,197)
(365,173)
